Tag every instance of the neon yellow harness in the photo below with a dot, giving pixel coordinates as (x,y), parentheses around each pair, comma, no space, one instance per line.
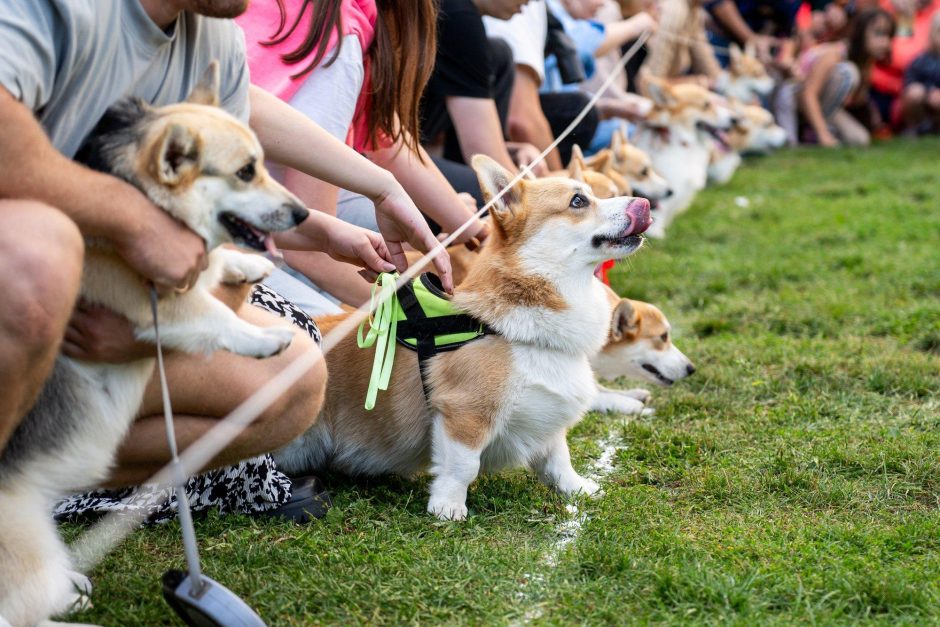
(421,317)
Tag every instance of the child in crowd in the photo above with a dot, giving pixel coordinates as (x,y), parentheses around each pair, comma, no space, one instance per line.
(832,76)
(921,96)
(357,68)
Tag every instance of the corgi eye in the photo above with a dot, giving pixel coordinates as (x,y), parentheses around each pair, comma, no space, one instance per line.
(665,336)
(579,202)
(247,173)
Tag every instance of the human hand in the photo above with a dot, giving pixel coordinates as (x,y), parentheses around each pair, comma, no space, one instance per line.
(763,48)
(527,154)
(400,222)
(644,22)
(827,140)
(95,333)
(357,246)
(163,250)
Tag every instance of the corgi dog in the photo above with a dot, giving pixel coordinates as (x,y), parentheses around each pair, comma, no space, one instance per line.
(626,162)
(602,186)
(206,169)
(753,132)
(747,78)
(639,347)
(677,135)
(505,400)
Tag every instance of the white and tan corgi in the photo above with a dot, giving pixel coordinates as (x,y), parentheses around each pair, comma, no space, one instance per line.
(506,400)
(639,347)
(747,80)
(206,169)
(602,186)
(678,135)
(753,132)
(622,160)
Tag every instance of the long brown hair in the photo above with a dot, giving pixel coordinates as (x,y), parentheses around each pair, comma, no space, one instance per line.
(401,58)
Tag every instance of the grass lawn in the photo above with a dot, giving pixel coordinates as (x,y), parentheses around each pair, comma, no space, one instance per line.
(794,478)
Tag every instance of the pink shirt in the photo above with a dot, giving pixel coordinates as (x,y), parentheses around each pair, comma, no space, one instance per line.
(269,71)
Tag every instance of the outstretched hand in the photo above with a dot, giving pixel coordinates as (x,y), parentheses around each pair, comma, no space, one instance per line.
(400,222)
(360,247)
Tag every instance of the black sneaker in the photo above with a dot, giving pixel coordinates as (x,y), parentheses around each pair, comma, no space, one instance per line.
(308,500)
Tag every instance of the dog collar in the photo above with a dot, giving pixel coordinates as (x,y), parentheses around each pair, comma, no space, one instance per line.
(419,316)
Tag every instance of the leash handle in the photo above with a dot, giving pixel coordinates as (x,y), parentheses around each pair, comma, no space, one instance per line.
(383,329)
(190,546)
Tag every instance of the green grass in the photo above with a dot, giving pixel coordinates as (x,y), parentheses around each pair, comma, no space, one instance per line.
(794,479)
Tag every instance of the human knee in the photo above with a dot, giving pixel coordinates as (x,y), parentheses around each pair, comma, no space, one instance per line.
(914,94)
(297,409)
(43,273)
(933,99)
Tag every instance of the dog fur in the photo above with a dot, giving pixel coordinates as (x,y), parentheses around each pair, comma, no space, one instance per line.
(194,161)
(639,347)
(677,136)
(753,132)
(748,80)
(506,400)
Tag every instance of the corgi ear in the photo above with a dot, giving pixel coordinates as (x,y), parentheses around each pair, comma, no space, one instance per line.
(625,322)
(177,154)
(601,161)
(734,52)
(659,91)
(206,91)
(493,179)
(616,142)
(576,168)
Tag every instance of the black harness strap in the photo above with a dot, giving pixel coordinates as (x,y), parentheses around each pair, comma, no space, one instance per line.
(424,330)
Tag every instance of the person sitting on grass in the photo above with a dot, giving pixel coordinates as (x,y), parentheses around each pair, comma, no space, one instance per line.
(63,63)
(834,76)
(921,96)
(373,58)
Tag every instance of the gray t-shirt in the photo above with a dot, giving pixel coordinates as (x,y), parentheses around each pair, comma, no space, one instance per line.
(69,60)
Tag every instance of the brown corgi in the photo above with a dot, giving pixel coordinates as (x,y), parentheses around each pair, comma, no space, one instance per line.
(508,399)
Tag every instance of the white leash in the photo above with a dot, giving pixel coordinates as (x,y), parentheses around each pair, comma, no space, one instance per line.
(179,477)
(100,539)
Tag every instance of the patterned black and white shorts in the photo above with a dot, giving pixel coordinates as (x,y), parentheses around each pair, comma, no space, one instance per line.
(253,485)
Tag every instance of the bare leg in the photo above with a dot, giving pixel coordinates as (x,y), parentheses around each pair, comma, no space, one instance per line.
(41,255)
(913,101)
(205,389)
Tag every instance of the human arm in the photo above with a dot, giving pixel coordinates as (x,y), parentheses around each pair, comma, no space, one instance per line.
(523,154)
(812,88)
(729,18)
(155,245)
(429,189)
(527,121)
(292,139)
(616,34)
(476,122)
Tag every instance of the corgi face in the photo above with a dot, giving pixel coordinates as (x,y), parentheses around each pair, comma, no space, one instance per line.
(637,168)
(640,346)
(688,105)
(558,222)
(748,75)
(601,185)
(206,169)
(755,131)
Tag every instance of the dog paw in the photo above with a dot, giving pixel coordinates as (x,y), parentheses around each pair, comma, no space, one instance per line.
(266,342)
(639,394)
(447,510)
(579,485)
(81,583)
(618,402)
(243,268)
(648,411)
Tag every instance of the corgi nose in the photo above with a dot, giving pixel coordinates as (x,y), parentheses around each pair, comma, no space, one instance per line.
(668,193)
(689,370)
(299,213)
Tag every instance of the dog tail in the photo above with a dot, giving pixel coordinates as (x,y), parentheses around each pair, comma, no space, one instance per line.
(35,578)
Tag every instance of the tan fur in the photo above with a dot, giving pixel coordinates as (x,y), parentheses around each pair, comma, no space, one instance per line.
(745,63)
(602,185)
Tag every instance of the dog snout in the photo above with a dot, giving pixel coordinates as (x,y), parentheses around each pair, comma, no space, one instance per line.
(689,370)
(298,212)
(638,211)
(668,193)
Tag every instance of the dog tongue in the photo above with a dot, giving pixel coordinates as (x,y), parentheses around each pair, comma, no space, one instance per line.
(270,246)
